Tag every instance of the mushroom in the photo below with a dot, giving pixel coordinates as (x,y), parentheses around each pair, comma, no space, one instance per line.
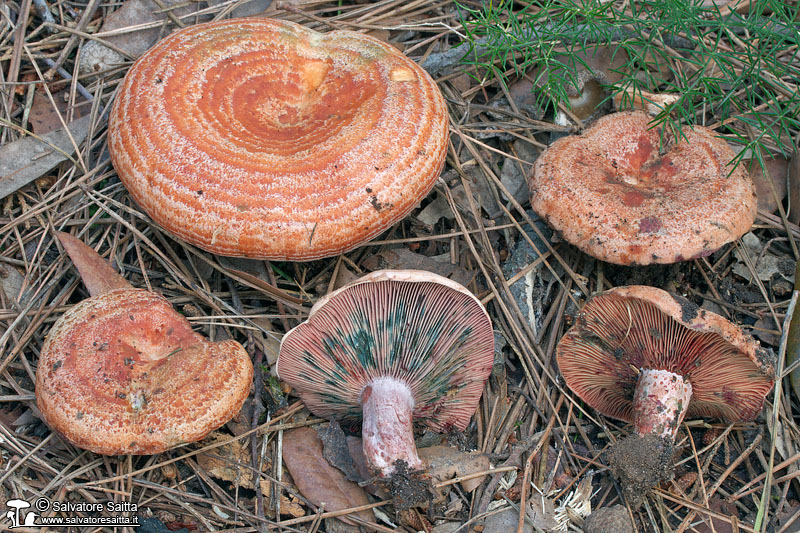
(394,346)
(261,138)
(642,355)
(16,506)
(123,373)
(629,193)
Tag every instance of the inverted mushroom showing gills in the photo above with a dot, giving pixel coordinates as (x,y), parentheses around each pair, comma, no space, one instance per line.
(628,193)
(123,373)
(642,355)
(392,347)
(261,138)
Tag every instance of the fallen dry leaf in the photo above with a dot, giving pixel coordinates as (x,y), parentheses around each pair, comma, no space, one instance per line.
(322,484)
(245,9)
(344,276)
(27,159)
(335,450)
(541,510)
(435,211)
(11,283)
(356,448)
(794,187)
(291,507)
(411,518)
(228,462)
(97,57)
(45,118)
(96,273)
(446,462)
(777,167)
(719,526)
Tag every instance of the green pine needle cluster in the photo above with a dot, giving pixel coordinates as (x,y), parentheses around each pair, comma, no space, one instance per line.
(739,71)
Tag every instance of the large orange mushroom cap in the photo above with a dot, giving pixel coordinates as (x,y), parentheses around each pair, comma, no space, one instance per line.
(264,139)
(619,194)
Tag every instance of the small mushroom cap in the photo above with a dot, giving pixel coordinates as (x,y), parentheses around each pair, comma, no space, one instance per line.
(18,504)
(622,331)
(123,373)
(261,138)
(614,195)
(418,327)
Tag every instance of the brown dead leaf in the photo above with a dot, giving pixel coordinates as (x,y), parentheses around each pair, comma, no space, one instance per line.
(356,448)
(96,57)
(44,117)
(335,450)
(445,462)
(228,462)
(291,507)
(541,510)
(134,13)
(777,167)
(411,518)
(344,276)
(28,159)
(720,526)
(245,9)
(322,484)
(11,283)
(98,276)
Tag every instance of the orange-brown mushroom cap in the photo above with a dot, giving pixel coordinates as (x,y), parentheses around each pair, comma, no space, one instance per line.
(626,330)
(261,138)
(123,373)
(616,195)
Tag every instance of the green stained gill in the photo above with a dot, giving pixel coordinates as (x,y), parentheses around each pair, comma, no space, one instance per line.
(362,340)
(332,397)
(309,360)
(395,325)
(341,370)
(423,339)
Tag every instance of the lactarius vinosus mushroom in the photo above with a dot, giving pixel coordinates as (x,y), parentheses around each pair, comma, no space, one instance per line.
(643,355)
(620,195)
(122,372)
(392,347)
(261,138)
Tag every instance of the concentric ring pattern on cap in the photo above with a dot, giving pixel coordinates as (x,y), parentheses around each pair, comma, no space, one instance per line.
(264,139)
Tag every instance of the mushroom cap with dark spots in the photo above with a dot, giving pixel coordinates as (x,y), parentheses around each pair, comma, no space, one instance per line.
(624,330)
(123,373)
(265,139)
(418,327)
(629,193)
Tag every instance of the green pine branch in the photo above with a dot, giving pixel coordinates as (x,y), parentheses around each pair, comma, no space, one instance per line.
(741,71)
